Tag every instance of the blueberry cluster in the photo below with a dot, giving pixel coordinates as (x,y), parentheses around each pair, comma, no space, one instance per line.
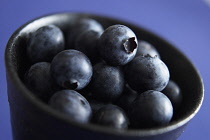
(105,77)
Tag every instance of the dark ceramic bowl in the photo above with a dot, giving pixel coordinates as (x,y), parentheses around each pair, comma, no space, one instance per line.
(31,119)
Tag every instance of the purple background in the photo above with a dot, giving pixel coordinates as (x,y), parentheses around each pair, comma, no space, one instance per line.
(186,24)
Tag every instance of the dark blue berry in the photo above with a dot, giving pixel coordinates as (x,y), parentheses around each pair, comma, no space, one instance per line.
(145,48)
(111,116)
(87,42)
(71,69)
(107,82)
(73,104)
(38,79)
(173,92)
(118,45)
(96,105)
(81,25)
(127,97)
(147,73)
(45,43)
(150,109)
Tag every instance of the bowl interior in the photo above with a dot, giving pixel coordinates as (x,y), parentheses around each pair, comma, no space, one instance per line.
(181,69)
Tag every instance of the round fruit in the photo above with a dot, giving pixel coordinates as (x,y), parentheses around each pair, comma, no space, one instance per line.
(150,109)
(111,116)
(87,42)
(39,81)
(173,92)
(81,25)
(73,104)
(145,48)
(107,82)
(71,69)
(45,43)
(147,73)
(96,105)
(127,97)
(118,45)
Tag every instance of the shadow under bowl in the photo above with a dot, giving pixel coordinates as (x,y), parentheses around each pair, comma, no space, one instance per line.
(35,120)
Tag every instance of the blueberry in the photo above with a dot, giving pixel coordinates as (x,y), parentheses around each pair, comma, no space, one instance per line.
(71,69)
(127,97)
(39,81)
(111,116)
(147,73)
(45,43)
(81,25)
(150,109)
(96,105)
(87,42)
(107,82)
(145,48)
(118,45)
(173,92)
(73,104)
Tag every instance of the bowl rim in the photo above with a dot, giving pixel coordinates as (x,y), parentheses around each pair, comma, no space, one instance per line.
(19,85)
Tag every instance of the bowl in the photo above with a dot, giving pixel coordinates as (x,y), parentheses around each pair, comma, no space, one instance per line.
(31,119)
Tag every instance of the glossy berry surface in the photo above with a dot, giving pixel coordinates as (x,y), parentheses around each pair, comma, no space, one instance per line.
(147,73)
(39,81)
(150,109)
(45,43)
(118,45)
(145,48)
(73,104)
(107,82)
(81,25)
(87,42)
(111,116)
(71,69)
(127,97)
(173,92)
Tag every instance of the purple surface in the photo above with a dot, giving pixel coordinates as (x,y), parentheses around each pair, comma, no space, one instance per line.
(186,24)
